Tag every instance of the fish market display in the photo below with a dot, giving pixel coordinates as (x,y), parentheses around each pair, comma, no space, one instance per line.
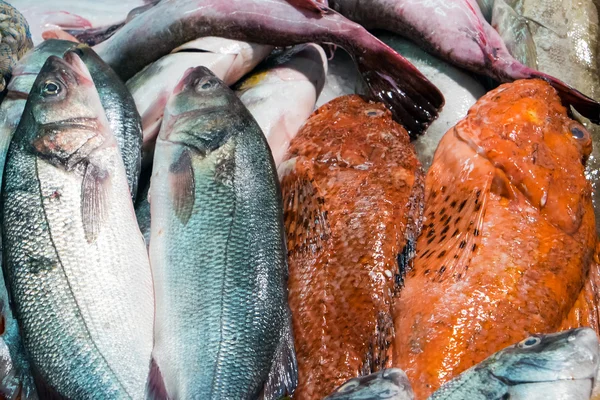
(463,89)
(217,251)
(75,261)
(393,80)
(508,235)
(342,78)
(462,36)
(554,366)
(349,159)
(387,384)
(15,40)
(282,94)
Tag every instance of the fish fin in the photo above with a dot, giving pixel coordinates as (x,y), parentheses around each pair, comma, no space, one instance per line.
(183,186)
(514,30)
(283,377)
(413,100)
(94,201)
(379,355)
(155,387)
(319,6)
(452,229)
(44,390)
(94,36)
(306,221)
(405,260)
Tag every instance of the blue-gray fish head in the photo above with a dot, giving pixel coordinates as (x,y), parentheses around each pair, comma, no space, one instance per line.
(387,384)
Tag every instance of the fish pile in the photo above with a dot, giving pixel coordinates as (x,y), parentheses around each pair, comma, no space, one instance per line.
(305,199)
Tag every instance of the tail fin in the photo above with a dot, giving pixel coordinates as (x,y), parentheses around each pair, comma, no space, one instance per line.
(585,105)
(413,100)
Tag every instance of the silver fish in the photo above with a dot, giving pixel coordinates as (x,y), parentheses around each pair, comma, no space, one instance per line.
(554,366)
(387,384)
(75,263)
(217,250)
(282,94)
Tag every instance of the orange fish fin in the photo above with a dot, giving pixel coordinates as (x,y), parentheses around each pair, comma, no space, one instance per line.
(452,229)
(306,223)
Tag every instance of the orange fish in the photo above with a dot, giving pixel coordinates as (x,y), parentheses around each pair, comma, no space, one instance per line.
(508,235)
(352,193)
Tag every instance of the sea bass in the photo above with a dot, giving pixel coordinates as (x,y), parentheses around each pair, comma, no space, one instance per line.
(463,89)
(74,259)
(387,384)
(413,100)
(282,94)
(508,237)
(346,260)
(554,366)
(460,35)
(217,249)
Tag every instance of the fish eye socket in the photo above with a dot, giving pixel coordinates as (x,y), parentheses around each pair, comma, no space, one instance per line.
(51,88)
(530,342)
(205,84)
(579,133)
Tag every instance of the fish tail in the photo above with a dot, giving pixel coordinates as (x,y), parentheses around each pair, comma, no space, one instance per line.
(413,100)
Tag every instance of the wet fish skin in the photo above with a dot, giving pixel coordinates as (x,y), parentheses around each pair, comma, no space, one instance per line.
(347,262)
(393,81)
(74,260)
(387,384)
(281,94)
(555,366)
(217,252)
(515,166)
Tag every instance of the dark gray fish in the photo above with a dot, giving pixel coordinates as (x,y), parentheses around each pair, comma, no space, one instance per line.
(554,366)
(413,100)
(217,250)
(387,384)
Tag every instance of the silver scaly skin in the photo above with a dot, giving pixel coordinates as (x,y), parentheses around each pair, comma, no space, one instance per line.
(387,384)
(217,250)
(75,263)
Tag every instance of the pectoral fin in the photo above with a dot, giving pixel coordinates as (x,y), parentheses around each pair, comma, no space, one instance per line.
(94,201)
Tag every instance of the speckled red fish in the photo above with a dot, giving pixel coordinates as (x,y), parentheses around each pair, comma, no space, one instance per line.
(352,189)
(508,235)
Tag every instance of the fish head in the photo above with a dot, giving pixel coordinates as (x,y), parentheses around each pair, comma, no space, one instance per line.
(564,356)
(524,131)
(65,108)
(389,383)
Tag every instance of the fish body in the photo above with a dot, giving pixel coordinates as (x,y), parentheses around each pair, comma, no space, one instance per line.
(15,40)
(282,95)
(393,80)
(554,366)
(462,88)
(74,260)
(387,384)
(217,251)
(461,35)
(349,159)
(506,250)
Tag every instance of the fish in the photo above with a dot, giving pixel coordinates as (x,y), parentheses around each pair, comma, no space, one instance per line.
(75,264)
(281,94)
(462,37)
(217,251)
(559,365)
(346,261)
(455,84)
(151,87)
(393,80)
(508,235)
(15,40)
(142,206)
(387,384)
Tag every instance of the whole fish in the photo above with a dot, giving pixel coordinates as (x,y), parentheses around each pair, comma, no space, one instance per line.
(151,87)
(508,235)
(346,261)
(74,259)
(217,250)
(463,89)
(393,80)
(282,94)
(15,40)
(455,30)
(387,384)
(554,366)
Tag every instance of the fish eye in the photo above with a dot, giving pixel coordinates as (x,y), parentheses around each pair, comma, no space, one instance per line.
(205,84)
(348,386)
(530,342)
(51,88)
(578,132)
